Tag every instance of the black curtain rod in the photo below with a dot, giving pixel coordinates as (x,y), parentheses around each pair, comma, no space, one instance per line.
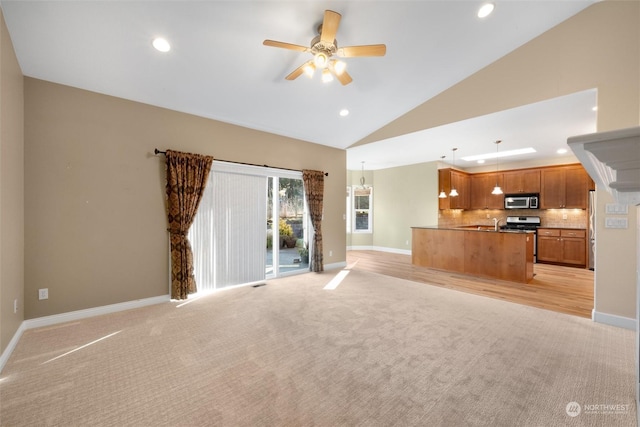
(156,151)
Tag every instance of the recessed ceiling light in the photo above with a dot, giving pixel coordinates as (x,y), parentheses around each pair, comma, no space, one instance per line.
(500,154)
(595,108)
(344,112)
(561,150)
(161,44)
(481,161)
(485,10)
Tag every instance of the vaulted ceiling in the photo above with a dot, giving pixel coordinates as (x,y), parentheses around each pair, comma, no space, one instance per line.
(218,67)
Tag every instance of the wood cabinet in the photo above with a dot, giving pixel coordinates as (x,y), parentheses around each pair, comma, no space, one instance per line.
(564,246)
(451,178)
(522,181)
(505,256)
(564,187)
(559,187)
(481,186)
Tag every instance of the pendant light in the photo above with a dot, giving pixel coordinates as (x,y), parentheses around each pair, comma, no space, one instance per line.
(453,192)
(362,177)
(497,190)
(442,194)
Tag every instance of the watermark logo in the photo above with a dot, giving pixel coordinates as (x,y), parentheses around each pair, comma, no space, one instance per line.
(573,409)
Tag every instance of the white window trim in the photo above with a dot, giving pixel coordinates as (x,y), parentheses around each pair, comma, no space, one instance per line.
(369,230)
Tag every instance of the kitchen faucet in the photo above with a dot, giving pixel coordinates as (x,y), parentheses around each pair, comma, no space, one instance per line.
(495,223)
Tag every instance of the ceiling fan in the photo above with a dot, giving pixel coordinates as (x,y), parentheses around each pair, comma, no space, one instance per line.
(323,47)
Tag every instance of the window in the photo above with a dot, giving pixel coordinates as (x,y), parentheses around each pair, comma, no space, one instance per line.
(362,209)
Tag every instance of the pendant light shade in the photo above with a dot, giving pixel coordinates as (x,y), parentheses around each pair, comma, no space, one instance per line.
(453,192)
(442,194)
(497,190)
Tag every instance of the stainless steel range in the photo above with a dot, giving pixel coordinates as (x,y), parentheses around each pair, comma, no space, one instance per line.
(525,223)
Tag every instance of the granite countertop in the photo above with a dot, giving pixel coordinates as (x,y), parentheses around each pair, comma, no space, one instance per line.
(562,228)
(481,227)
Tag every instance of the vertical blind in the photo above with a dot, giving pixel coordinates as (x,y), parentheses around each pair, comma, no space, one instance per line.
(229,232)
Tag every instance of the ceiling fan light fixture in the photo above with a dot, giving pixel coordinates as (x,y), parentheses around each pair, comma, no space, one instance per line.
(326,76)
(309,69)
(321,60)
(339,67)
(324,46)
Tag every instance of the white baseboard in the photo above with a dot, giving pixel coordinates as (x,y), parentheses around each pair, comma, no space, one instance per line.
(613,320)
(75,315)
(12,345)
(380,249)
(335,265)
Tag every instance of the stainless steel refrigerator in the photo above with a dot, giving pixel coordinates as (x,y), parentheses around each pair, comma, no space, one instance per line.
(591,240)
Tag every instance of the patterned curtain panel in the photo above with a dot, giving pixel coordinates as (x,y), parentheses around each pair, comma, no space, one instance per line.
(314,192)
(186,178)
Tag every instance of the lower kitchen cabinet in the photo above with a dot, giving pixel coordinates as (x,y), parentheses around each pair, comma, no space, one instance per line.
(563,246)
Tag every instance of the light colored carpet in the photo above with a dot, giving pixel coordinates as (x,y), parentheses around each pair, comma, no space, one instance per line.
(376,351)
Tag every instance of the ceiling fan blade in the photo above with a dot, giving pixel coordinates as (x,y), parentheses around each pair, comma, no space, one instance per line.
(344,77)
(284,45)
(330,26)
(298,71)
(365,50)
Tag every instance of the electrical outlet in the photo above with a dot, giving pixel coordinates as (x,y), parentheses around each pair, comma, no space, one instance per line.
(406,243)
(330,253)
(15,306)
(564,216)
(43,293)
(488,216)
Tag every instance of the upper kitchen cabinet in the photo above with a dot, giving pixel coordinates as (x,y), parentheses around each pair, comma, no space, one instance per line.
(482,185)
(522,181)
(451,178)
(564,187)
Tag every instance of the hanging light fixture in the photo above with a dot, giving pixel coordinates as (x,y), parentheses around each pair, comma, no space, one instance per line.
(442,194)
(497,190)
(362,185)
(453,192)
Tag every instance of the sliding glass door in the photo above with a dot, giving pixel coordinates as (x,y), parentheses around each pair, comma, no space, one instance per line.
(287,249)
(250,225)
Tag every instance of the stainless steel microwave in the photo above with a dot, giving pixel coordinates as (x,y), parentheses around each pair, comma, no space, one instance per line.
(521,201)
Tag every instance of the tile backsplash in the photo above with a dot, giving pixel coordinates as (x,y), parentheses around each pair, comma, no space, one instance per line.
(566,218)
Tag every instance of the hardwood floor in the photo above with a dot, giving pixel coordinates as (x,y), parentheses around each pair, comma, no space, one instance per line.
(563,289)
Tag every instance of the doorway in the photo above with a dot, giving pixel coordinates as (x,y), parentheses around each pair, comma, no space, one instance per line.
(287,225)
(251,225)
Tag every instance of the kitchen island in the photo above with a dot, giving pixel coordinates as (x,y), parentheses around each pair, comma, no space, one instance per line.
(475,250)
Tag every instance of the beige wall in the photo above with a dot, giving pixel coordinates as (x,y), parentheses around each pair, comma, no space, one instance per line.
(405,198)
(597,48)
(11,190)
(95,208)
